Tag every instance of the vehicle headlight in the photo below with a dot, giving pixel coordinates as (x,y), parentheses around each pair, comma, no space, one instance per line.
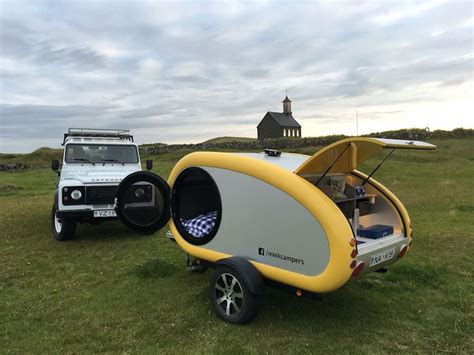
(76,194)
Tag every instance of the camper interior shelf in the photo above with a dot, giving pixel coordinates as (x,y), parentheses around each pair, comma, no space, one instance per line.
(362,203)
(371,199)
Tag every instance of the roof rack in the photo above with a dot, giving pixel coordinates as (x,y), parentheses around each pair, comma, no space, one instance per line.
(97,132)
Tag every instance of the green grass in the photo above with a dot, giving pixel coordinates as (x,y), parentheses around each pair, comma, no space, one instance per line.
(111,290)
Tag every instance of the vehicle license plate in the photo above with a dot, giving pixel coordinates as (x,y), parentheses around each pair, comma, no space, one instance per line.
(105,213)
(380,258)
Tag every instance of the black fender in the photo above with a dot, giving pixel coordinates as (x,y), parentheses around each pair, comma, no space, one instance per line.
(56,201)
(251,276)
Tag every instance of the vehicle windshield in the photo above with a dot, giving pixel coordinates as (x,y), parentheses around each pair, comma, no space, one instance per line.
(101,153)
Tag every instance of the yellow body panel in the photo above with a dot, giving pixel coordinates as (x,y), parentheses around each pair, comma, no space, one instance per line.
(333,222)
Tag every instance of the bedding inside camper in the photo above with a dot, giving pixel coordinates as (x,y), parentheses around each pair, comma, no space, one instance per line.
(371,215)
(201,225)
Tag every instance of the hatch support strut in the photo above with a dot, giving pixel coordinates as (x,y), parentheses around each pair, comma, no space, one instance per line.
(377,167)
(333,163)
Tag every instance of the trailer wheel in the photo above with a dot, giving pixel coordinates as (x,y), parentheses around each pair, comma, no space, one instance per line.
(231,296)
(61,229)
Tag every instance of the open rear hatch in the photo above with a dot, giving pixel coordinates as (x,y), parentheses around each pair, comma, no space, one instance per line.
(346,155)
(378,219)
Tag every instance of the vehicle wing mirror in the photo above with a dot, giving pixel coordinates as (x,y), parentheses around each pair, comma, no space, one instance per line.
(55,164)
(149,164)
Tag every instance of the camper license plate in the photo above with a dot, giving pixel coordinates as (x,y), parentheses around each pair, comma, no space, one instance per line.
(105,213)
(380,258)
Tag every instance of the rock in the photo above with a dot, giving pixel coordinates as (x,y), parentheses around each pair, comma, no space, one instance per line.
(14,167)
(8,188)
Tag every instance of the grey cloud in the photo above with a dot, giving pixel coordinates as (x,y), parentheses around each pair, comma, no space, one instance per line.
(46,53)
(11,40)
(28,123)
(20,43)
(47,113)
(256,73)
(32,116)
(218,68)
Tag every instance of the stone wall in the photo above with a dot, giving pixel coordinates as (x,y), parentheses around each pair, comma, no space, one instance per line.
(278,143)
(14,167)
(291,143)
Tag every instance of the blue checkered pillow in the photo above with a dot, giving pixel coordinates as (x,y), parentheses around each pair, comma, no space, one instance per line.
(201,225)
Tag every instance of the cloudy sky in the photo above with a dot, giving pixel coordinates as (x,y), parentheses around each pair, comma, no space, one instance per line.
(192,70)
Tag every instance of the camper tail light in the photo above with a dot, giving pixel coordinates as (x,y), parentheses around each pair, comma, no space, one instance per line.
(353,264)
(358,269)
(403,251)
(353,253)
(352,242)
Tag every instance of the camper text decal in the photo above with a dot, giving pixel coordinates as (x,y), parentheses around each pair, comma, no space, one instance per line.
(263,252)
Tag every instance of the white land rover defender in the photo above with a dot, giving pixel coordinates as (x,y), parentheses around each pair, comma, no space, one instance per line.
(94,163)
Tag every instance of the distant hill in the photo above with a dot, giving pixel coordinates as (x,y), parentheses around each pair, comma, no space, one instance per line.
(229,139)
(39,158)
(42,157)
(305,144)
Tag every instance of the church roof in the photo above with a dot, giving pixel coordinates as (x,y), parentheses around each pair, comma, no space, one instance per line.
(284,119)
(286,99)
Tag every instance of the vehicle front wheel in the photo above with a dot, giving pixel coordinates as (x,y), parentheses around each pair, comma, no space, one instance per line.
(230,296)
(61,229)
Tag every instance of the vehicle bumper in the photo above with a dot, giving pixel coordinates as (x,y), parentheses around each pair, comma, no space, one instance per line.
(83,216)
(368,251)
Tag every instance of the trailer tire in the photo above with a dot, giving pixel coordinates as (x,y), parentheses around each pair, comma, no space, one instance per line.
(231,295)
(61,229)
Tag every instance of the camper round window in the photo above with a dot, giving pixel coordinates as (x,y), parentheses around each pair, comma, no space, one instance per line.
(196,206)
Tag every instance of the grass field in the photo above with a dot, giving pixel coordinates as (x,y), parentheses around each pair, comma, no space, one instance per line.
(111,290)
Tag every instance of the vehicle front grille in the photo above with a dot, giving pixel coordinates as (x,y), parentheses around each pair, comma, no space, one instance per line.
(100,195)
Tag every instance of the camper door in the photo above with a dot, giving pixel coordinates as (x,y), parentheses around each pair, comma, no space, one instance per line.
(143,202)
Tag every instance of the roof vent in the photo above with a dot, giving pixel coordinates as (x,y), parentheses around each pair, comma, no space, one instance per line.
(272,152)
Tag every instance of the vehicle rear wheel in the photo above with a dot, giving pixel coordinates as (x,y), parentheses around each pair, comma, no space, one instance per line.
(231,297)
(61,229)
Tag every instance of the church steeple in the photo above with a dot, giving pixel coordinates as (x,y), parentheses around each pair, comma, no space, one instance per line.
(287,105)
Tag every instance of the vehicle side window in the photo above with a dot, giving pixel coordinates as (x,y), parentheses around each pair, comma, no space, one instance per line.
(196,205)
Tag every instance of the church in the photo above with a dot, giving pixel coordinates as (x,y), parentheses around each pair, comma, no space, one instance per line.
(279,124)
